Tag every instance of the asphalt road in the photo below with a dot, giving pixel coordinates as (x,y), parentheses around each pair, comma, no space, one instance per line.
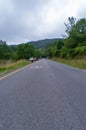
(44,96)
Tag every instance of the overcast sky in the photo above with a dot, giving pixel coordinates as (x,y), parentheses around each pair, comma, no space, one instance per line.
(29,20)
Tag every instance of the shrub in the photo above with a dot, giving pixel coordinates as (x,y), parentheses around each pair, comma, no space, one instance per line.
(81,51)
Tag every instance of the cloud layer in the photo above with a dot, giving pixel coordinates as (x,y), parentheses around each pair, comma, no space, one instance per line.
(25,20)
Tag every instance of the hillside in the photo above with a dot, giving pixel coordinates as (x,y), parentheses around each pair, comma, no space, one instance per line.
(43,43)
(39,44)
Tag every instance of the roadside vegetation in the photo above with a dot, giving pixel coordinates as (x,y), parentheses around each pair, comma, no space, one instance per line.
(12,58)
(7,66)
(72,49)
(79,63)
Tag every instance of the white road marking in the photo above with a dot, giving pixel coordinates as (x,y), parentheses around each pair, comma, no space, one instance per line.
(36,67)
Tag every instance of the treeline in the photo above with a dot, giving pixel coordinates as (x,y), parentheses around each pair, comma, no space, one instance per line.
(22,51)
(74,43)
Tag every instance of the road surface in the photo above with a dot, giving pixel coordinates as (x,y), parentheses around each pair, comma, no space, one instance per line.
(44,96)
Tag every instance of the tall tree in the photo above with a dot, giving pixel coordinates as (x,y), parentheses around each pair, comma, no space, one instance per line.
(76,33)
(70,25)
(5,51)
(25,51)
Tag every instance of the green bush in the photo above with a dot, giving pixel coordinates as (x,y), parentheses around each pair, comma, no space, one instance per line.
(63,52)
(81,51)
(71,53)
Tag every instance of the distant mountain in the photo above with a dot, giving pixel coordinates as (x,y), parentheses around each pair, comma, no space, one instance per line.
(43,43)
(40,43)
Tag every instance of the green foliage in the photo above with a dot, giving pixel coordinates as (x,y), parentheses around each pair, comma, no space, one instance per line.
(77,35)
(70,43)
(75,42)
(81,51)
(78,32)
(25,51)
(21,51)
(54,49)
(14,56)
(43,53)
(5,51)
(63,52)
(37,53)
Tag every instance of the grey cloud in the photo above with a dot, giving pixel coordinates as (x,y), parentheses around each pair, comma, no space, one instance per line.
(82,12)
(31,5)
(24,20)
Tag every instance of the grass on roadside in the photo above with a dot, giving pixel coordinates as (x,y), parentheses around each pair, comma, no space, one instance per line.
(12,66)
(79,63)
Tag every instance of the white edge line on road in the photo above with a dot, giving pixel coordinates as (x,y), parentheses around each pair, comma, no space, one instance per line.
(15,71)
